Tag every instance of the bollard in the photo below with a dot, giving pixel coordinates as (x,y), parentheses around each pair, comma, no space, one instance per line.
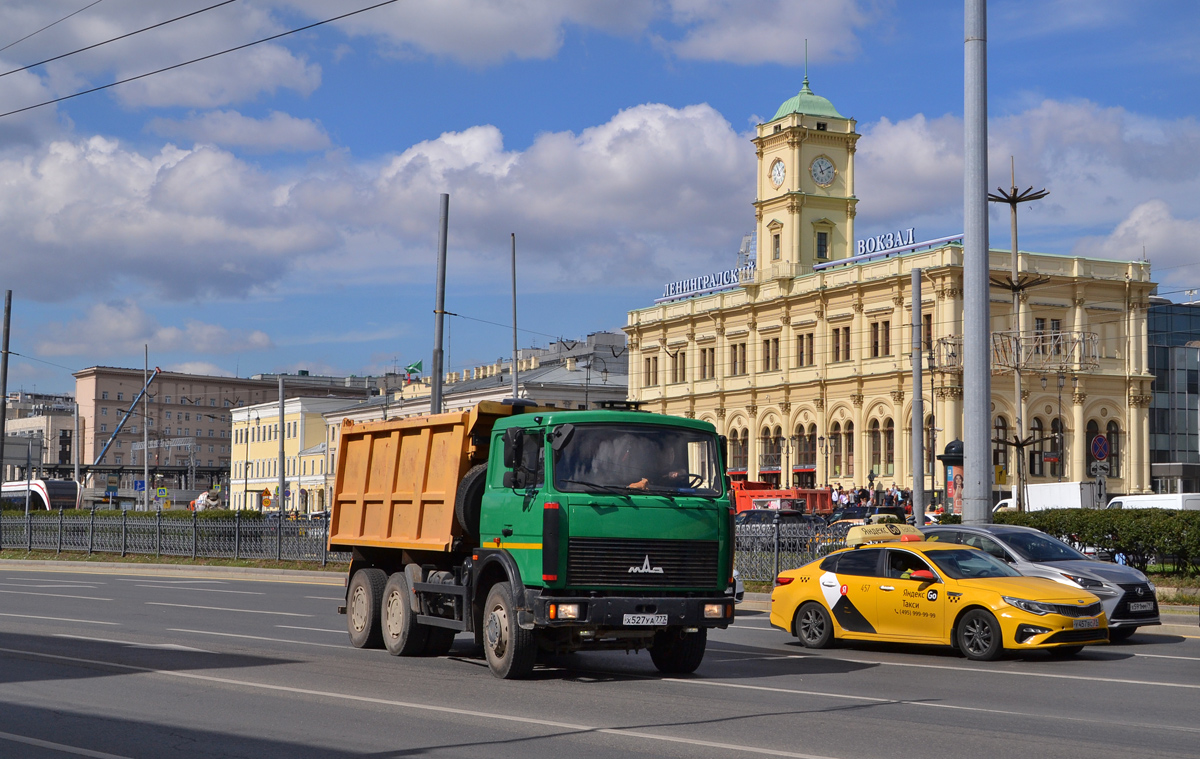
(124,522)
(237,533)
(91,531)
(193,534)
(60,529)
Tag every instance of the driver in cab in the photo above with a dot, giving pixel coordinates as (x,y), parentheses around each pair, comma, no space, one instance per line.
(671,473)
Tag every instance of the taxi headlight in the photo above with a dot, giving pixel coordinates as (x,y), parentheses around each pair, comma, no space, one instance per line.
(1033,607)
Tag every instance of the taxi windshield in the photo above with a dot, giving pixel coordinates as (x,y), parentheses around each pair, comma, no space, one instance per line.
(637,458)
(1033,547)
(970,563)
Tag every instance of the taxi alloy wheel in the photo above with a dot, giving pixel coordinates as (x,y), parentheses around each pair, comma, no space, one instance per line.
(813,626)
(979,636)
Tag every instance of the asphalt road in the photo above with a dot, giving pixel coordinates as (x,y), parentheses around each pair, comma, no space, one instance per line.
(106,664)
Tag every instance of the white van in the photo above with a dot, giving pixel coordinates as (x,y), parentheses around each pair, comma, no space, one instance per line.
(1177,501)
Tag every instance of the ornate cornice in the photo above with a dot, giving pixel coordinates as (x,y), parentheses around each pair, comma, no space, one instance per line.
(1079,398)
(857,400)
(897,300)
(720,412)
(785,407)
(857,306)
(1080,302)
(898,396)
(819,403)
(786,319)
(1024,395)
(1139,400)
(752,409)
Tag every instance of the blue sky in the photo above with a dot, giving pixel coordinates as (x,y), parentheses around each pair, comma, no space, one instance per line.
(276,209)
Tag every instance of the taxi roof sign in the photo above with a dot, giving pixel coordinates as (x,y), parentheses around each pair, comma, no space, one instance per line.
(889,532)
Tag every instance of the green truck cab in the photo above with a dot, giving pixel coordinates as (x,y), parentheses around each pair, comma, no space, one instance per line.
(574,530)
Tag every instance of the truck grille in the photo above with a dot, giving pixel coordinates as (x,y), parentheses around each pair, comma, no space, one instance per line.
(636,563)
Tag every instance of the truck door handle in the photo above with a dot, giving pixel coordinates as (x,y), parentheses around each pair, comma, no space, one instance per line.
(886,587)
(506,532)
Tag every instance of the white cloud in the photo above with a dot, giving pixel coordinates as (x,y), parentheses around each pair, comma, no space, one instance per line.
(277,132)
(768,31)
(122,328)
(1170,243)
(198,367)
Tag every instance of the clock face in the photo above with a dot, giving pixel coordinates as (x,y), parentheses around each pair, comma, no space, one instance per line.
(823,171)
(777,173)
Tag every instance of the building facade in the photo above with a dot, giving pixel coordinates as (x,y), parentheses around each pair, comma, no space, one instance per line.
(805,364)
(1174,330)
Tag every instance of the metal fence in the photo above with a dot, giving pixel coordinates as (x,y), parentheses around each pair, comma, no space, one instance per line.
(236,538)
(762,551)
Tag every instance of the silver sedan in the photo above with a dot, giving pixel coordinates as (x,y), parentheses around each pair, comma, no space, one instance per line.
(1127,595)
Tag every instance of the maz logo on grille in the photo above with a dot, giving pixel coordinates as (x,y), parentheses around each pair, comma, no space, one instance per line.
(645,568)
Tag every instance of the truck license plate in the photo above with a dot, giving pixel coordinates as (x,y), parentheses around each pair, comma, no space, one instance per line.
(1141,606)
(1086,624)
(645,620)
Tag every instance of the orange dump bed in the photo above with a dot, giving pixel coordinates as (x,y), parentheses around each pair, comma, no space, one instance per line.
(397,479)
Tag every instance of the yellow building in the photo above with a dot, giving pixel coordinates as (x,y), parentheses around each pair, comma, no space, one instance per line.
(254,479)
(805,363)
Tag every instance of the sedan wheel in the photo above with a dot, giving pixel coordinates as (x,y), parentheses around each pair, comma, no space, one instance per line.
(979,636)
(813,626)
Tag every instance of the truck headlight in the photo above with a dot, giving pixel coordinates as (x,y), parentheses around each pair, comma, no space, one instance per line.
(563,611)
(716,611)
(1033,607)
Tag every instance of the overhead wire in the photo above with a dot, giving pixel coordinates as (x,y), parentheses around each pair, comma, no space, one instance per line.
(198,60)
(115,39)
(47,26)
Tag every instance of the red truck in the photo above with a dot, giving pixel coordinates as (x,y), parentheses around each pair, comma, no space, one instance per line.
(762,495)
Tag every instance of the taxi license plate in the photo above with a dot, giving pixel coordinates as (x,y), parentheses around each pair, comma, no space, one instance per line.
(1141,606)
(645,620)
(1085,624)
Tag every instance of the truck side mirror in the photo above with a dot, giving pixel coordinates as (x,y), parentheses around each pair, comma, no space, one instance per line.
(512,447)
(561,436)
(724,443)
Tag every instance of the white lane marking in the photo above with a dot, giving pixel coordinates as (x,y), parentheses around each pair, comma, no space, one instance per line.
(52,595)
(314,629)
(206,590)
(221,608)
(1055,676)
(927,704)
(170,582)
(257,637)
(89,582)
(60,619)
(325,598)
(575,728)
(133,643)
(755,628)
(59,747)
(340,582)
(1164,656)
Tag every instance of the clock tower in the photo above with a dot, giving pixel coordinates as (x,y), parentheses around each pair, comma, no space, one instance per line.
(805,205)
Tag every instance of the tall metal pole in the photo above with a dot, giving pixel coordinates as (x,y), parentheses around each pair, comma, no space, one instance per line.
(514,288)
(28,470)
(435,399)
(75,445)
(977,375)
(280,497)
(4,378)
(146,430)
(918,407)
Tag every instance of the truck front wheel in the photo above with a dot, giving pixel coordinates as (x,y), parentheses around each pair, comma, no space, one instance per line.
(402,635)
(510,650)
(363,606)
(675,652)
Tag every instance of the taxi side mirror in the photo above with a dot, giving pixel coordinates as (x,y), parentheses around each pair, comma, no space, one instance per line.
(923,575)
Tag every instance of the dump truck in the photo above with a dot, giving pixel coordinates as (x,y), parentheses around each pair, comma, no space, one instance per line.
(537,530)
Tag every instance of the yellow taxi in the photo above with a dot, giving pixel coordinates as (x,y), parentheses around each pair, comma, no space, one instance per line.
(892,585)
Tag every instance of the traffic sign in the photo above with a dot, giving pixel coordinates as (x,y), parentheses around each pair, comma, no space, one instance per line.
(1100,469)
(266,493)
(160,493)
(139,485)
(1099,448)
(266,501)
(287,493)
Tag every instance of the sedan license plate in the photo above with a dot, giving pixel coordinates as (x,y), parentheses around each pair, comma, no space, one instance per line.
(1141,606)
(1086,624)
(645,620)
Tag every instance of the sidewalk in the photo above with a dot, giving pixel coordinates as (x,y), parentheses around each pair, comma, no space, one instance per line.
(311,577)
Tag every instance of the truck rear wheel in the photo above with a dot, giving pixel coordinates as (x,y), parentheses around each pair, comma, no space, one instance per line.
(363,607)
(402,634)
(469,499)
(675,652)
(510,650)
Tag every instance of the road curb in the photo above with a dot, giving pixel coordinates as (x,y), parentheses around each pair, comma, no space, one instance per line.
(177,570)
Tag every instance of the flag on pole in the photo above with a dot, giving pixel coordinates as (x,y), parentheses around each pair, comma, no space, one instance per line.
(415,368)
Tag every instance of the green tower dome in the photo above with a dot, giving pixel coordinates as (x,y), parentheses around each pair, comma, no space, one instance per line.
(808,103)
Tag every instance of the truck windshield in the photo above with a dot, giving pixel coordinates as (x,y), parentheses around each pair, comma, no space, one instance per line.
(634,458)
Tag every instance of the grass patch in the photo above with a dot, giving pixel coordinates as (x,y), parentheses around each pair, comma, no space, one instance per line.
(97,558)
(753,586)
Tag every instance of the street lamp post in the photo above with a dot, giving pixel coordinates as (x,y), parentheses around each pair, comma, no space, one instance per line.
(1061,438)
(825,454)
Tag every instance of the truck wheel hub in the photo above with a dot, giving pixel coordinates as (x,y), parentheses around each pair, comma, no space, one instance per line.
(497,631)
(358,609)
(394,616)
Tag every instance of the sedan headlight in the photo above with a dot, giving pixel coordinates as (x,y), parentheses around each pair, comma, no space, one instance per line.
(1033,607)
(1153,587)
(1084,582)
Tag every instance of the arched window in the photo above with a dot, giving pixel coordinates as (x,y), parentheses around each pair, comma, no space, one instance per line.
(1114,449)
(1000,450)
(889,448)
(835,449)
(738,450)
(848,444)
(1059,451)
(812,445)
(1037,431)
(876,447)
(1093,430)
